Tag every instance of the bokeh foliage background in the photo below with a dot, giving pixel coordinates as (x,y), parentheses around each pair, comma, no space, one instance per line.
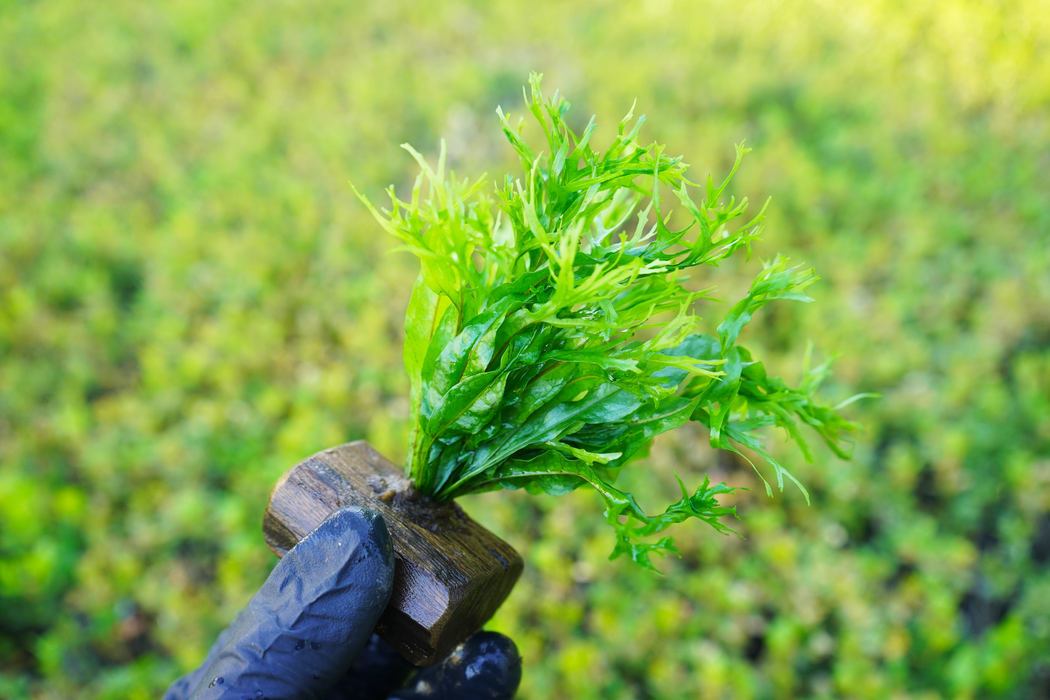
(191,301)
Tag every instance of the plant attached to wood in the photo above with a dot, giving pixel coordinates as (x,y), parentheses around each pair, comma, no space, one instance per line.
(549,337)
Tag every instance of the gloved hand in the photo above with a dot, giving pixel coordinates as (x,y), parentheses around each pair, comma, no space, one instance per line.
(307,633)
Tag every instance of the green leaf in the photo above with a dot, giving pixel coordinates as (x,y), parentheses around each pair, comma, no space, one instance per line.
(775,282)
(423,326)
(650,420)
(555,474)
(470,349)
(469,405)
(602,402)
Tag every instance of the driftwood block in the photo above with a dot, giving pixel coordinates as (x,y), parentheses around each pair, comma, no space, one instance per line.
(450,575)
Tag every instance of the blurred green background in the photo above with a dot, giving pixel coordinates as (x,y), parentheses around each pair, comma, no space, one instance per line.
(191,301)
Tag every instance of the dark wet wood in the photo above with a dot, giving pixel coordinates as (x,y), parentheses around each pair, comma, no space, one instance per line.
(450,575)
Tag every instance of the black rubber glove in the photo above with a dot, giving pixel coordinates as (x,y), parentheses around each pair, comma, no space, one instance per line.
(307,633)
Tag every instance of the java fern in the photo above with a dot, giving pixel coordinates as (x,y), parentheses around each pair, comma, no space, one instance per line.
(524,332)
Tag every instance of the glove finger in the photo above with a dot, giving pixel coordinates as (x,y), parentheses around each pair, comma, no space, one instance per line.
(374,674)
(181,688)
(485,667)
(311,618)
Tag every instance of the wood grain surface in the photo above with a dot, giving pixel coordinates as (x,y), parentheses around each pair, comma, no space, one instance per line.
(451,574)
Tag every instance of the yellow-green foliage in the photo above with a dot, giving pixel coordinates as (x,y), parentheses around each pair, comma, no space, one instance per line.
(191,300)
